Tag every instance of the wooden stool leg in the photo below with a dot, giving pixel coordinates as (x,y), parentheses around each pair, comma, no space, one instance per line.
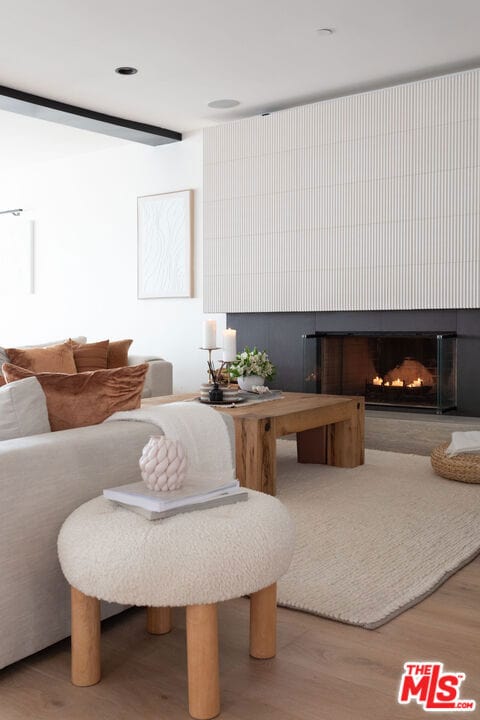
(86,668)
(263,622)
(202,660)
(159,620)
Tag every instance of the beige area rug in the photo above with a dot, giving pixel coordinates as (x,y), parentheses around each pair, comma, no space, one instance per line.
(372,541)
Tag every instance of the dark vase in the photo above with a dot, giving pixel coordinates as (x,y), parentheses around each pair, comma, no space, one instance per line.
(215,394)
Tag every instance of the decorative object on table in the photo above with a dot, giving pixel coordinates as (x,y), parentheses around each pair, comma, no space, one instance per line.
(261,389)
(229,345)
(226,403)
(231,394)
(224,378)
(215,393)
(165,245)
(217,376)
(209,338)
(248,382)
(209,343)
(252,368)
(163,464)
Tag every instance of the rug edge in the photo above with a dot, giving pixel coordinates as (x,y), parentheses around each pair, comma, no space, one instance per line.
(375,624)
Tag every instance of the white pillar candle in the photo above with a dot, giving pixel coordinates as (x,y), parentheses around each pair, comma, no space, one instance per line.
(229,345)
(209,334)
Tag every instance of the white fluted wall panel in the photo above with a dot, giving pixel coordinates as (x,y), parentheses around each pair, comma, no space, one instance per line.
(368,202)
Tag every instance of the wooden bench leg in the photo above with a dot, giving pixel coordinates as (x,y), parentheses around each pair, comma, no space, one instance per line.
(86,668)
(312,446)
(263,622)
(341,444)
(347,439)
(202,660)
(159,620)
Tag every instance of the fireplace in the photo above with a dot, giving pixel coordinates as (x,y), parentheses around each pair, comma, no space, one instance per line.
(457,362)
(416,370)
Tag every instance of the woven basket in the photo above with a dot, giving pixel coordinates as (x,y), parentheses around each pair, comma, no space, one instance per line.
(464,467)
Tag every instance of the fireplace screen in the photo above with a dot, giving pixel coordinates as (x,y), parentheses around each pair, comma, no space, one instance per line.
(396,369)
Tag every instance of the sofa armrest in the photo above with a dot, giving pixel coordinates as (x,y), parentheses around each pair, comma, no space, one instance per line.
(43,478)
(159,379)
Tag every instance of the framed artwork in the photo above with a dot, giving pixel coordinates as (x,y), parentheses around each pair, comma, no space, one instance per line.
(16,256)
(165,230)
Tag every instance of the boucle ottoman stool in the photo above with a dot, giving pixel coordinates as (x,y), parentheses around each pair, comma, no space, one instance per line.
(195,560)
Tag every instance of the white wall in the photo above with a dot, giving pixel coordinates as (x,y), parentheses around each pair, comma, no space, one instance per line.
(85,213)
(367,202)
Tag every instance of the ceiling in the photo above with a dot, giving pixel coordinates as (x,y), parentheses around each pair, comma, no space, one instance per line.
(265,53)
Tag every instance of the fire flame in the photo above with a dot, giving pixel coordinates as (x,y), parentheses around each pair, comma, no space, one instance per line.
(397,382)
(416,383)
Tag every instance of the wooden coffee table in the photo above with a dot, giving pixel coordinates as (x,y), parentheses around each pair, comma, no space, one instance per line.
(329,428)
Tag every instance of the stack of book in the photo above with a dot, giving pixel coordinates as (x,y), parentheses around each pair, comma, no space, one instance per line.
(195,494)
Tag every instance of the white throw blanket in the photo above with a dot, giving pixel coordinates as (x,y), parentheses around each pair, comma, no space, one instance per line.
(201,430)
(464,442)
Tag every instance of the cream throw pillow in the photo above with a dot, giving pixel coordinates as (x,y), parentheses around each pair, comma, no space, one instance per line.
(23,409)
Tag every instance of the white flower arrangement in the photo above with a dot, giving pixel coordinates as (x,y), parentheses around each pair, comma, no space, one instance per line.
(252,362)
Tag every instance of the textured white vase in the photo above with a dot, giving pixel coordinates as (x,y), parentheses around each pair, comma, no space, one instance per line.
(247,382)
(163,464)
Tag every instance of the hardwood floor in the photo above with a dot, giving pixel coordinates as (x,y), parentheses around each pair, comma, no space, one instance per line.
(323,670)
(408,432)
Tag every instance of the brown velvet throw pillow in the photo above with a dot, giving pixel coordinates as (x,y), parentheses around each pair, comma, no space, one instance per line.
(53,359)
(118,353)
(90,356)
(86,398)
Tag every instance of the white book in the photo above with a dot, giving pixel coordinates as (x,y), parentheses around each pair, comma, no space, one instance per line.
(192,491)
(227,498)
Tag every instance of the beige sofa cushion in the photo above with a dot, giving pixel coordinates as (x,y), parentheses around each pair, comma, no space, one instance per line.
(23,409)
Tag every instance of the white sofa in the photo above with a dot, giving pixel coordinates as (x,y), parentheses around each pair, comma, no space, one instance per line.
(43,478)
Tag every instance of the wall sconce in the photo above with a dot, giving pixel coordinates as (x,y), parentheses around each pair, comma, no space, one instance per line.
(16,212)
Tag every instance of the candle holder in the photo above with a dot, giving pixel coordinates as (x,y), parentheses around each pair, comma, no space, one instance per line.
(209,361)
(215,376)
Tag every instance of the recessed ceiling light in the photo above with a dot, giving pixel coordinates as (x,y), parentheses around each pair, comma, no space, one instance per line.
(126,70)
(324,32)
(223,104)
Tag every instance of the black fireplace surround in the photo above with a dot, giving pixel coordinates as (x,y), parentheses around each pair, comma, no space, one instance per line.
(283,336)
